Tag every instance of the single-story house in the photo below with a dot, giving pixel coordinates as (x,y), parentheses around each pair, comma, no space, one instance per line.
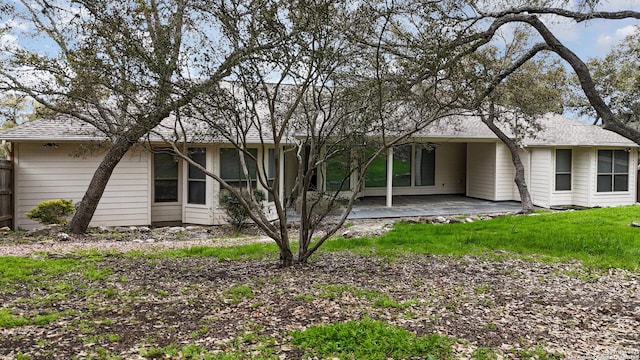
(567,163)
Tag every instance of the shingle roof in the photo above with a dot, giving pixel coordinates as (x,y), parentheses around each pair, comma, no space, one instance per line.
(67,128)
(556,130)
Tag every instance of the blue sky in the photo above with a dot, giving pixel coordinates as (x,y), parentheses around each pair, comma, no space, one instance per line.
(596,38)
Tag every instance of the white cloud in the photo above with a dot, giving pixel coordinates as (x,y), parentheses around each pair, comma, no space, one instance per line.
(606,42)
(8,41)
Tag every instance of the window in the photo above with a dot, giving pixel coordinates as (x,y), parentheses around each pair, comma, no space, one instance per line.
(425,166)
(232,172)
(402,166)
(338,172)
(563,169)
(613,170)
(271,171)
(165,177)
(197,191)
(376,175)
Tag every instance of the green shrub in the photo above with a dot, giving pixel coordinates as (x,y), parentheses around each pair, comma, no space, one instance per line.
(52,211)
(237,214)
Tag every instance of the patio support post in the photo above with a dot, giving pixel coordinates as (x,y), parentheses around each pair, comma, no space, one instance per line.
(389,177)
(281,175)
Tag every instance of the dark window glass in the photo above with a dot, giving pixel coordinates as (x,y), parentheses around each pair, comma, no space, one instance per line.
(402,166)
(197,193)
(338,171)
(376,175)
(231,170)
(563,169)
(165,173)
(613,170)
(621,162)
(604,161)
(425,166)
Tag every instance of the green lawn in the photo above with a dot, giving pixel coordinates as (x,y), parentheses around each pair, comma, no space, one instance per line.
(597,237)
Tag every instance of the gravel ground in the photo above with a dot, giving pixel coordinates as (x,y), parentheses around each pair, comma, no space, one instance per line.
(510,306)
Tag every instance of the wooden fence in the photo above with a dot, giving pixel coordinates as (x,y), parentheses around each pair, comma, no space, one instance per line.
(6,193)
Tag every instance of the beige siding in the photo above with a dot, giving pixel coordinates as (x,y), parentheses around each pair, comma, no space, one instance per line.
(481,170)
(505,172)
(166,212)
(51,173)
(540,184)
(583,181)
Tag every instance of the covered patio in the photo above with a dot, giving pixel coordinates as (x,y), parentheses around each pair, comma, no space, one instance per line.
(373,207)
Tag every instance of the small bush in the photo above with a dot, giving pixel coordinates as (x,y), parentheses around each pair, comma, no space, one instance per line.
(52,211)
(237,214)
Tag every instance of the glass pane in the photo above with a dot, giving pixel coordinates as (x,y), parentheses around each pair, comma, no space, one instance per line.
(402,165)
(604,183)
(376,175)
(199,155)
(563,182)
(621,165)
(621,183)
(166,190)
(604,161)
(563,160)
(271,161)
(165,166)
(425,166)
(338,168)
(230,168)
(197,192)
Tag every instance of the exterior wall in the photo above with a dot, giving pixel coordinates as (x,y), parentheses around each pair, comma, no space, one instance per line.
(540,183)
(481,170)
(211,213)
(45,173)
(450,170)
(582,178)
(505,172)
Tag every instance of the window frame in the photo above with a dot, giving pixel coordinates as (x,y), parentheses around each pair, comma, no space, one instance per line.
(612,172)
(559,172)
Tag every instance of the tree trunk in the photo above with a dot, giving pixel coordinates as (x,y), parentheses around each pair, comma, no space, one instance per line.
(525,197)
(87,207)
(286,256)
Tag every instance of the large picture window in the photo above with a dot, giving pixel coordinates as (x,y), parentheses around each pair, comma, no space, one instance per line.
(338,170)
(376,175)
(165,177)
(231,170)
(613,170)
(425,166)
(402,166)
(563,169)
(197,191)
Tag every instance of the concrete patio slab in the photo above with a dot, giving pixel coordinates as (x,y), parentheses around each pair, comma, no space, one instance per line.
(428,205)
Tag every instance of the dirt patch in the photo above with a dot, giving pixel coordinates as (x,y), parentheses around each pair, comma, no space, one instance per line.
(507,305)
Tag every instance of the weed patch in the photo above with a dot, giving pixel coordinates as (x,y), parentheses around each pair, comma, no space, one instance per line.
(369,339)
